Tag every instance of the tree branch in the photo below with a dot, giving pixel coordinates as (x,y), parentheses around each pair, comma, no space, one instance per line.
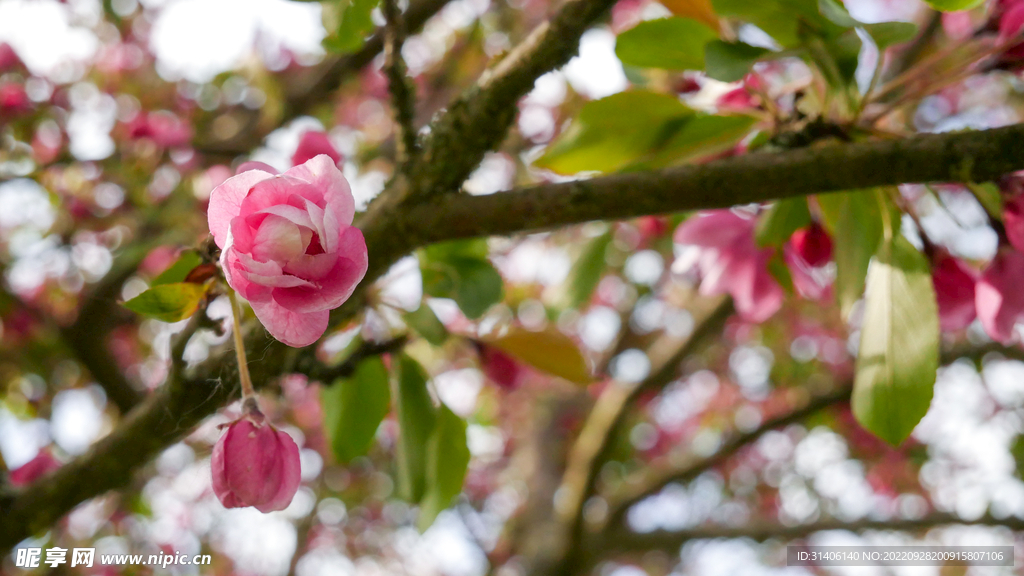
(975,156)
(653,479)
(671,541)
(403,96)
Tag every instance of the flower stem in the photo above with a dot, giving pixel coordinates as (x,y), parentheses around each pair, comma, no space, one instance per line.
(248,393)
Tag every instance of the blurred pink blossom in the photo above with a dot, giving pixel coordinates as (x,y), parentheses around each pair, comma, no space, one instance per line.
(312,144)
(998,295)
(954,290)
(730,262)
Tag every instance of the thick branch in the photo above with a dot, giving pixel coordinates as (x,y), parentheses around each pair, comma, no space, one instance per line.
(976,156)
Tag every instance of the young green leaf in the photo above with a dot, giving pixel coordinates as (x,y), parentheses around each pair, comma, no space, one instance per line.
(669,43)
(178,271)
(586,272)
(854,221)
(447,460)
(899,344)
(168,302)
(990,198)
(698,137)
(887,34)
(416,420)
(612,132)
(426,324)
(461,271)
(354,25)
(787,21)
(780,221)
(354,408)
(730,61)
(953,5)
(549,350)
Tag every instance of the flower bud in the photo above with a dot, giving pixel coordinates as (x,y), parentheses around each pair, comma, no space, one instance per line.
(311,145)
(998,295)
(813,245)
(254,464)
(954,290)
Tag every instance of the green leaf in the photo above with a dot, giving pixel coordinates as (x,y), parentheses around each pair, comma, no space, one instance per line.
(730,61)
(168,302)
(884,34)
(669,43)
(549,350)
(953,5)
(448,459)
(855,223)
(461,271)
(781,220)
(586,272)
(887,34)
(1017,451)
(426,324)
(416,418)
(354,408)
(783,20)
(990,198)
(837,13)
(698,137)
(178,271)
(899,345)
(354,25)
(612,132)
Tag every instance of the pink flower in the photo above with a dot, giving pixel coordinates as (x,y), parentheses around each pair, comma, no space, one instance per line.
(27,473)
(501,368)
(954,290)
(957,25)
(731,262)
(254,464)
(998,295)
(1011,21)
(313,144)
(1013,220)
(813,245)
(288,246)
(8,58)
(162,127)
(13,99)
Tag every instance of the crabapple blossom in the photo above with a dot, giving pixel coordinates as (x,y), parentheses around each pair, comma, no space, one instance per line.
(287,244)
(255,464)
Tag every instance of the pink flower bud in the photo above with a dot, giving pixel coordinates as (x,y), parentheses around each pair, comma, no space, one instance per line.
(311,145)
(1013,220)
(813,245)
(954,290)
(501,368)
(254,464)
(998,295)
(13,99)
(1011,22)
(41,465)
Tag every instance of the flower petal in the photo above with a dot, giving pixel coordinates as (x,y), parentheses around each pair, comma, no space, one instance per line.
(323,174)
(277,239)
(296,329)
(226,201)
(337,285)
(290,474)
